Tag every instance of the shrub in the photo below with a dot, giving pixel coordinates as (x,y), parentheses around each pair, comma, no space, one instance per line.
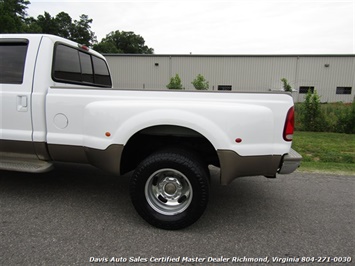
(286,85)
(312,117)
(346,120)
(175,83)
(200,83)
(333,117)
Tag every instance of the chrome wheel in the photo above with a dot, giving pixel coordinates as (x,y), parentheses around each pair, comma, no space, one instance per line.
(168,191)
(170,188)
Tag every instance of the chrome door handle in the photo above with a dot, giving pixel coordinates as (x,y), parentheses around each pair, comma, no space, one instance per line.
(22,103)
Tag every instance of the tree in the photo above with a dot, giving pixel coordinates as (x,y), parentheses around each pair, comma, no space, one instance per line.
(12,15)
(200,83)
(175,83)
(81,31)
(32,26)
(107,47)
(62,25)
(287,87)
(13,19)
(123,42)
(47,24)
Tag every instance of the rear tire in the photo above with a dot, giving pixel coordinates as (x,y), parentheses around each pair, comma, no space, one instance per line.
(170,189)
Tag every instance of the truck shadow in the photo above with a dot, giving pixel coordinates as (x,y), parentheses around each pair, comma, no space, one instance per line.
(94,191)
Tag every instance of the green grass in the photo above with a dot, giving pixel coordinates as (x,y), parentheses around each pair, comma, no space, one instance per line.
(326,152)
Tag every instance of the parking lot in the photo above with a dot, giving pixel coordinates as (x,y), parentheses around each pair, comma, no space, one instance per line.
(76,215)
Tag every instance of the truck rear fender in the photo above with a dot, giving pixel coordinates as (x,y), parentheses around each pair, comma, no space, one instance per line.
(116,123)
(205,127)
(117,137)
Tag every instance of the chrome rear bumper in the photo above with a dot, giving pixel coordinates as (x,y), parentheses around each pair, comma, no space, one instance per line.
(290,162)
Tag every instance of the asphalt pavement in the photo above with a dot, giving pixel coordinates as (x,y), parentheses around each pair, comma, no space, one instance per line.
(78,215)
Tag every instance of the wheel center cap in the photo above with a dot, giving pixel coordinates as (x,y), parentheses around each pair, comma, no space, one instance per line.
(170,188)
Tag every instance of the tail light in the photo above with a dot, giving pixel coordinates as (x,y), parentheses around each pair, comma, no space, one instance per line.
(289,125)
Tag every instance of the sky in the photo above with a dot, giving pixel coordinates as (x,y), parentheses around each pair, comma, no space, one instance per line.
(221,27)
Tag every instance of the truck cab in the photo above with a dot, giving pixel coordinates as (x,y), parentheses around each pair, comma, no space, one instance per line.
(29,66)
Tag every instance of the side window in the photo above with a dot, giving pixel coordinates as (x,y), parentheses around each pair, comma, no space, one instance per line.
(67,64)
(86,67)
(74,66)
(12,63)
(102,75)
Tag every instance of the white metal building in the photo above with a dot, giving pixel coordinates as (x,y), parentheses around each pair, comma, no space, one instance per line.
(333,76)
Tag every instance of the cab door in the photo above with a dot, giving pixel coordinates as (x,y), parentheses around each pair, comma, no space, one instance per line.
(18,56)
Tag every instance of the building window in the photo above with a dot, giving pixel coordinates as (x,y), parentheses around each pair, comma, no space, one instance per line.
(224,87)
(343,90)
(305,89)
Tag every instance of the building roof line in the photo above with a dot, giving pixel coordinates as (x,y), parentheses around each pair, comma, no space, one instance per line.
(231,55)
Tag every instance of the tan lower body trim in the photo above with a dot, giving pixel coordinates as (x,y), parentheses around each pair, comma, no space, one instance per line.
(108,159)
(233,165)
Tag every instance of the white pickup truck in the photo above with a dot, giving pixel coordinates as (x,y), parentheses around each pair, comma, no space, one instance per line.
(58,105)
